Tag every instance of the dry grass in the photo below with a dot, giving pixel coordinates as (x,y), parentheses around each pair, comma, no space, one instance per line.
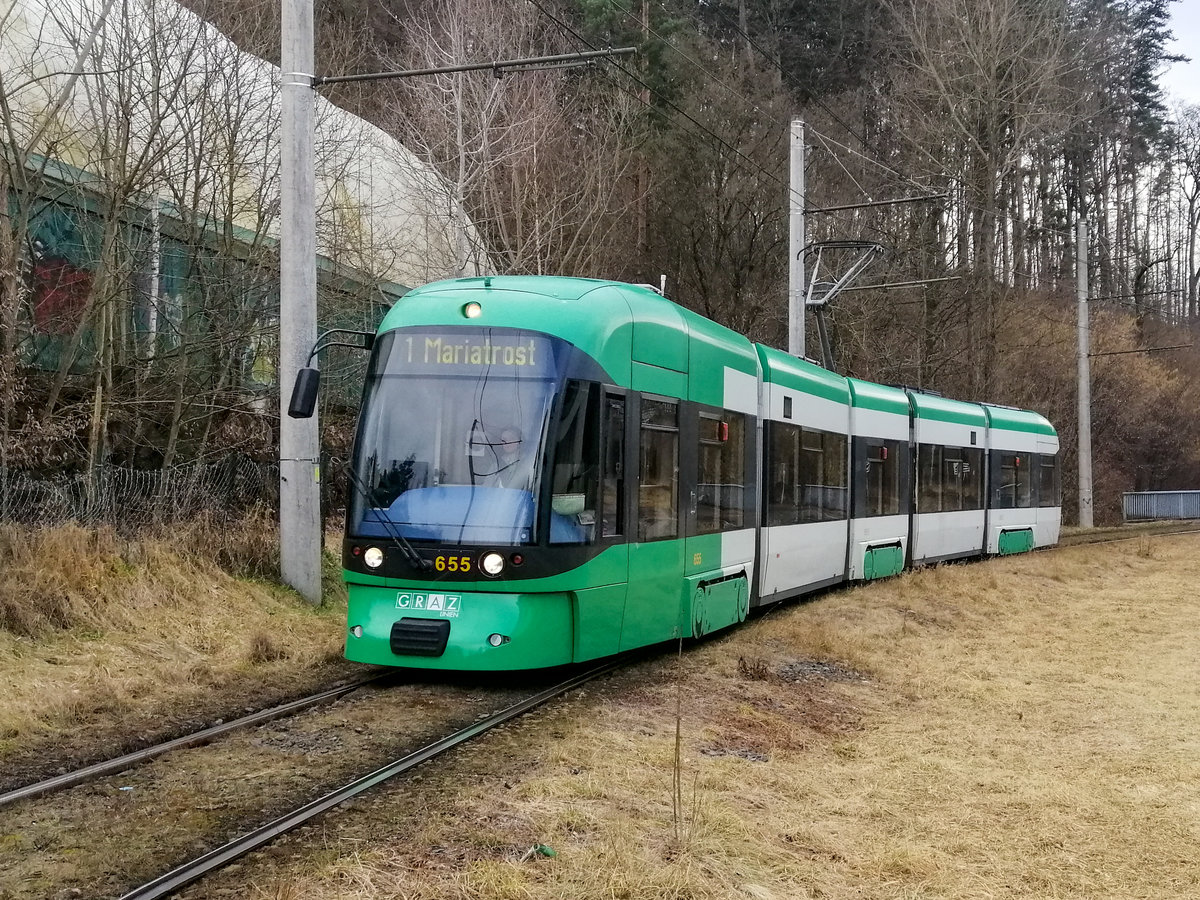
(1018,728)
(72,577)
(93,626)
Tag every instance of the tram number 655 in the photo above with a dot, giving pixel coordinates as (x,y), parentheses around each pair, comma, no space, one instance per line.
(452,563)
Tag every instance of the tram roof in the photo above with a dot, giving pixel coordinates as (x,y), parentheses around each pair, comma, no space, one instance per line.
(560,287)
(868,395)
(799,374)
(1018,420)
(621,301)
(618,324)
(942,409)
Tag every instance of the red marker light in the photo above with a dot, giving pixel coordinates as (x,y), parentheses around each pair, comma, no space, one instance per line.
(516,559)
(882,453)
(723,431)
(1017,464)
(357,551)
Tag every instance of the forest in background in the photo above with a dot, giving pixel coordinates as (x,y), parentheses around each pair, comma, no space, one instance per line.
(1018,116)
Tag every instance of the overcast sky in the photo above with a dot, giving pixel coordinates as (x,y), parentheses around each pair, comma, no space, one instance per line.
(1182,80)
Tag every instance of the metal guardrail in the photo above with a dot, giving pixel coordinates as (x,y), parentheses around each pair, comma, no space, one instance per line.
(1161,505)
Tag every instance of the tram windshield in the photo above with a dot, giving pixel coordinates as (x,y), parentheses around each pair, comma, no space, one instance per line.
(452,434)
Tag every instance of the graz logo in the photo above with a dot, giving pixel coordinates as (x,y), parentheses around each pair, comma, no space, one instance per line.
(445,605)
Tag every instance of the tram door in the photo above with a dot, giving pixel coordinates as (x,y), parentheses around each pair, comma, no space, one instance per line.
(655,539)
(602,606)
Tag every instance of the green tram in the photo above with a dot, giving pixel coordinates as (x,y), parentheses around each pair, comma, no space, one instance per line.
(549,470)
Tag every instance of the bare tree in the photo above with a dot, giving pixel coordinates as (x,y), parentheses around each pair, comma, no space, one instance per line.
(30,111)
(986,83)
(1188,174)
(718,208)
(535,160)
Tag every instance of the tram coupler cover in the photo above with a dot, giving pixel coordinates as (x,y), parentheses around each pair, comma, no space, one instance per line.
(419,637)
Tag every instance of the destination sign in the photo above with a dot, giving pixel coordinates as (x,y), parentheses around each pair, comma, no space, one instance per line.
(449,351)
(464,352)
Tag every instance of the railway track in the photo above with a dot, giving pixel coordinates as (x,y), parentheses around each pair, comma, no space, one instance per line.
(197,868)
(196,738)
(100,837)
(101,829)
(203,736)
(1129,533)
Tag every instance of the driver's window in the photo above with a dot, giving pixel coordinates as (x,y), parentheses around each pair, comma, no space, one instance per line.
(612,504)
(576,466)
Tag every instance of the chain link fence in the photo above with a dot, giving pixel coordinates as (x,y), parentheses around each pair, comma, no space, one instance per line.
(133,499)
(130,500)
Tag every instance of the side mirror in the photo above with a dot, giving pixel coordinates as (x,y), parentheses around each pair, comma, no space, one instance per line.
(304,393)
(308,379)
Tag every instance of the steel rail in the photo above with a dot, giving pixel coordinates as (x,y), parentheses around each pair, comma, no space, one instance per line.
(222,856)
(1082,541)
(121,763)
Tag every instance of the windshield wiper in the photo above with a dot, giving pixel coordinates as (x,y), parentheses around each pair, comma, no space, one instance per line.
(414,558)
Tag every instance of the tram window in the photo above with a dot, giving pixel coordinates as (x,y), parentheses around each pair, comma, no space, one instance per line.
(972,477)
(1024,478)
(720,487)
(824,497)
(807,469)
(929,478)
(783,502)
(811,469)
(960,476)
(612,509)
(576,467)
(882,464)
(1004,482)
(1048,481)
(658,486)
(1012,488)
(952,480)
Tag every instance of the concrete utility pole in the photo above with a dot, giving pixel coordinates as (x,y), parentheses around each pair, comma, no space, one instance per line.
(1085,376)
(299,438)
(796,243)
(299,443)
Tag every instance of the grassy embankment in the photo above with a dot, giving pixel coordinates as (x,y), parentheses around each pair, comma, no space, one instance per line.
(1022,727)
(104,638)
(1017,728)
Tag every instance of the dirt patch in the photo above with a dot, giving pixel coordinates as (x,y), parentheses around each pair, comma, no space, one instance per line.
(739,752)
(810,670)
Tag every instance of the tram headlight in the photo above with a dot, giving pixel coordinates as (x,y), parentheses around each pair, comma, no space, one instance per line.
(373,557)
(472,310)
(492,563)
(497,639)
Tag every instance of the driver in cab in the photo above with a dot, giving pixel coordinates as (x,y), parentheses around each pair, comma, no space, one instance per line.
(512,470)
